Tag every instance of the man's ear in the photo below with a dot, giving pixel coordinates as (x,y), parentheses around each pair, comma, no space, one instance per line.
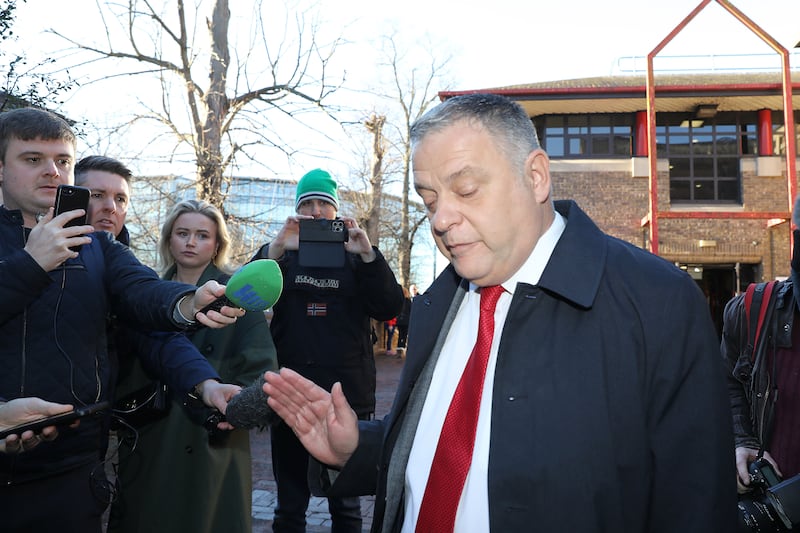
(537,169)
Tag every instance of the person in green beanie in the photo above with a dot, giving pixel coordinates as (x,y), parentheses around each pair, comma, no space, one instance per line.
(321,329)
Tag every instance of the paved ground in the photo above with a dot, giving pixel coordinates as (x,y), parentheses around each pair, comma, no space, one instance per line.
(317,517)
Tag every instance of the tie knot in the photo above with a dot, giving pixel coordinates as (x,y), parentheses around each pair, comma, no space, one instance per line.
(489,297)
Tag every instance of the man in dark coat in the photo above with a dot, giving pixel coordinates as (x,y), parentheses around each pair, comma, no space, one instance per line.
(603,405)
(53,323)
(146,360)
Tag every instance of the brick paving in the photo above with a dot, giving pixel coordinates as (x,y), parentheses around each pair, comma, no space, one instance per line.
(317,517)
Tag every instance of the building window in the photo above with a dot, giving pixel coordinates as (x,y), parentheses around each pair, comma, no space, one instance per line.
(779,133)
(704,155)
(587,136)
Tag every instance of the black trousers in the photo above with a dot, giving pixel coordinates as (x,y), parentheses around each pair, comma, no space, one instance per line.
(290,468)
(72,502)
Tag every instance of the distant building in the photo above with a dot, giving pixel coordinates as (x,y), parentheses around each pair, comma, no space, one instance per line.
(257,209)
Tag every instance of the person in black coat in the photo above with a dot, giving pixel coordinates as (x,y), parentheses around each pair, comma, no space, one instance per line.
(321,328)
(402,323)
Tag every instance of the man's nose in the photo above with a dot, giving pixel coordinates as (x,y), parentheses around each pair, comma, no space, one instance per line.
(444,217)
(52,169)
(109,205)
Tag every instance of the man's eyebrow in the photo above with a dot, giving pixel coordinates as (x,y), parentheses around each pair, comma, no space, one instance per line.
(38,153)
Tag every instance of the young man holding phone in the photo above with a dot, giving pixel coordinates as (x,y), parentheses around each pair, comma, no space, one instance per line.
(55,302)
(321,329)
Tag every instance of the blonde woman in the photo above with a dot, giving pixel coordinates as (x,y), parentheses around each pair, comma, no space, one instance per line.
(179,478)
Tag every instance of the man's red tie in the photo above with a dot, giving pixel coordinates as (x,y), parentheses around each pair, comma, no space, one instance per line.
(453,456)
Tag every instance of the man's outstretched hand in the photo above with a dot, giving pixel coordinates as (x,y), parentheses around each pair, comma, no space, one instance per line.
(324,422)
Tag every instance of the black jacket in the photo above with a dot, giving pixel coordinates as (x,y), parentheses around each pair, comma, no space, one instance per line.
(321,323)
(749,376)
(53,331)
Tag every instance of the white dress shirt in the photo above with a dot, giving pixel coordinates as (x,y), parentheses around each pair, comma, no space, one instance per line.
(473,509)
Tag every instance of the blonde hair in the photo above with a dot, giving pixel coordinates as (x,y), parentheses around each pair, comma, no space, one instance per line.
(220,259)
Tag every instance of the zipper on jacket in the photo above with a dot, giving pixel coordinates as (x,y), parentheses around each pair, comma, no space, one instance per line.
(24,352)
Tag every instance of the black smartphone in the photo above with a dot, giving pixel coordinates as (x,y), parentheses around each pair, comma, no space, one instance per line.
(63,419)
(68,198)
(322,243)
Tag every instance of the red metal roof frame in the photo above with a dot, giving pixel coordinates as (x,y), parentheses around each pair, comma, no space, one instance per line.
(791,178)
(625,91)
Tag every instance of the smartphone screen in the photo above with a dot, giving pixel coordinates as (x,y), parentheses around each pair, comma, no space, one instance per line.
(69,198)
(63,419)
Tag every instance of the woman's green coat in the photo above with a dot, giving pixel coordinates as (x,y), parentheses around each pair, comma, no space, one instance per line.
(176,480)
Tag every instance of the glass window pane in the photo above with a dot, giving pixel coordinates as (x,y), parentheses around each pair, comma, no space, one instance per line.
(622,145)
(600,146)
(728,190)
(702,145)
(727,145)
(750,145)
(554,146)
(703,190)
(728,167)
(703,167)
(679,167)
(679,145)
(679,190)
(576,146)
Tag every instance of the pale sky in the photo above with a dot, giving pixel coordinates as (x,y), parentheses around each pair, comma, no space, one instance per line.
(498,43)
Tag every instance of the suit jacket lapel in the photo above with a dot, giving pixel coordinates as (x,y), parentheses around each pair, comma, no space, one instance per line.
(414,398)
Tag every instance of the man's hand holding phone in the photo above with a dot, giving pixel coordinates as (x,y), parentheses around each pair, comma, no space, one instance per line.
(50,240)
(16,417)
(61,232)
(358,242)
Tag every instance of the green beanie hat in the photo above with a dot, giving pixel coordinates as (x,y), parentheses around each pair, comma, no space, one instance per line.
(316,185)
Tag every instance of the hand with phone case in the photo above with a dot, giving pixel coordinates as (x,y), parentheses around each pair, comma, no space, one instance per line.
(25,422)
(59,233)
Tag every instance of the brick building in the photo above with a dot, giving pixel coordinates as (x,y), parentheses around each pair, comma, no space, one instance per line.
(723,197)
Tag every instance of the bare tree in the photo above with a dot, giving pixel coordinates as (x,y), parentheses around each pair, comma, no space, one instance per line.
(229,115)
(413,91)
(374,125)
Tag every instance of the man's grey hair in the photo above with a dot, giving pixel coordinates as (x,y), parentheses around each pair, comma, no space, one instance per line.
(505,120)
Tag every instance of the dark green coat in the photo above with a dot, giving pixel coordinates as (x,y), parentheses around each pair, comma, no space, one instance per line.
(175,481)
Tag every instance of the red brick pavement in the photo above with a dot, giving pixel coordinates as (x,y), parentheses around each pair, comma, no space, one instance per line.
(264,485)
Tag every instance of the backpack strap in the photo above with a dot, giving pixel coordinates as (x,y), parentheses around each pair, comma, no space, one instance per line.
(754,298)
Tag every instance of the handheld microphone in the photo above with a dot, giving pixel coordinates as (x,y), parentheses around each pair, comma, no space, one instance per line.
(254,287)
(249,408)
